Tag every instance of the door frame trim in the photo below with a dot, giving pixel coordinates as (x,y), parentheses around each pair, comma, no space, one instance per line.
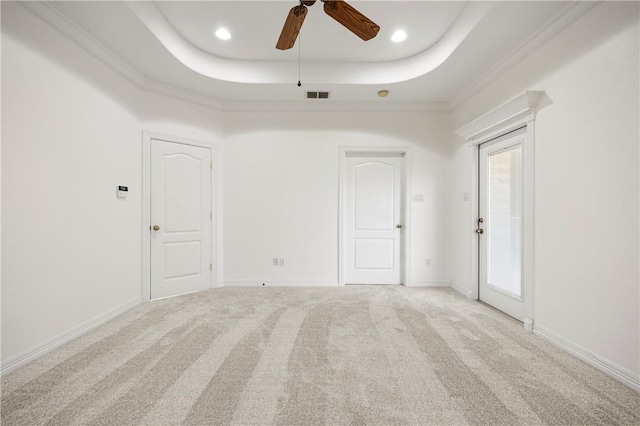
(405,255)
(515,113)
(216,222)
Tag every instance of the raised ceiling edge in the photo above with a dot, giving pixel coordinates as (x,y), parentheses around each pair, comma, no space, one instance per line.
(276,72)
(52,15)
(55,17)
(504,118)
(49,13)
(563,19)
(320,106)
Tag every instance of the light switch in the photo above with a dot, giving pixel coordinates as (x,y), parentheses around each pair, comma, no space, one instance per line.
(418,198)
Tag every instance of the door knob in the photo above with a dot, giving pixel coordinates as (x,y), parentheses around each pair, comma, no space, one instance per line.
(399,226)
(156,227)
(479,231)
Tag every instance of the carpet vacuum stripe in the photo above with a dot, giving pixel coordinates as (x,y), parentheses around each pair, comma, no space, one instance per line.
(364,355)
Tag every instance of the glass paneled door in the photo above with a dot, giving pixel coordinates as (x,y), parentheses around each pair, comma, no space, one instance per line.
(500,223)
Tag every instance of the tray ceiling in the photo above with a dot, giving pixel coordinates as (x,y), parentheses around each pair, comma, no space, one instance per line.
(452,48)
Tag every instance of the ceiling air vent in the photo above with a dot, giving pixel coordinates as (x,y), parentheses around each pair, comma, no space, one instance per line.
(317,95)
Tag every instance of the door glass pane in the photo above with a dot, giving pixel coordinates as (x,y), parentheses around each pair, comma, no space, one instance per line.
(504,225)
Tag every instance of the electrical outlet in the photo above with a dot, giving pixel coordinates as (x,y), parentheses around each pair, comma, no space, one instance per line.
(427,262)
(275,261)
(281,261)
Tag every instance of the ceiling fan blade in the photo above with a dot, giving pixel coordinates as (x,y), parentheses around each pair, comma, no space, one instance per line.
(353,20)
(291,27)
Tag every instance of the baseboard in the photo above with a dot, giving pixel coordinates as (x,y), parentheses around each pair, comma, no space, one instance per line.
(280,283)
(463,291)
(51,344)
(430,284)
(611,369)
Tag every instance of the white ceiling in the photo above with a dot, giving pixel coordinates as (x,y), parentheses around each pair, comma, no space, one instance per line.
(170,47)
(256,25)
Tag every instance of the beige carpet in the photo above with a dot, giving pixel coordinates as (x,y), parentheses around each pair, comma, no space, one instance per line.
(355,355)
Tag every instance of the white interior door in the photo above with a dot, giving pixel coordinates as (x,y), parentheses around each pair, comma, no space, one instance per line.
(373,228)
(500,224)
(180,218)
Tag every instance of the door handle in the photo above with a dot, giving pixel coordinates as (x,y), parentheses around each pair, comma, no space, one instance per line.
(399,226)
(156,227)
(479,231)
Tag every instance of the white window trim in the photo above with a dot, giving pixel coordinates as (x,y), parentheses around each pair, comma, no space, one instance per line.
(515,113)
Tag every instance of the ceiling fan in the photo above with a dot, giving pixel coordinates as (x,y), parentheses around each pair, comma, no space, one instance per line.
(339,10)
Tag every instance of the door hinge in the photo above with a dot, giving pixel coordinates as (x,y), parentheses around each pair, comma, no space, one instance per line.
(211,266)
(210,215)
(211,165)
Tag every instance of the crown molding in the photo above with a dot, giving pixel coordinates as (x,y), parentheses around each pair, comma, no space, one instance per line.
(565,17)
(159,88)
(328,106)
(52,15)
(514,113)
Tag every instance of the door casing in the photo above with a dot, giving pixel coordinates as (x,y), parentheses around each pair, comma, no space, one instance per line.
(216,243)
(405,259)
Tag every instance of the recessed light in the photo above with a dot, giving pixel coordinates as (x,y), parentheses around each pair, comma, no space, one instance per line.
(383,93)
(223,34)
(399,36)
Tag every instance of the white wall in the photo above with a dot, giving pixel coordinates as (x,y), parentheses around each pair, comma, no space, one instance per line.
(172,117)
(71,132)
(281,192)
(586,273)
(71,250)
